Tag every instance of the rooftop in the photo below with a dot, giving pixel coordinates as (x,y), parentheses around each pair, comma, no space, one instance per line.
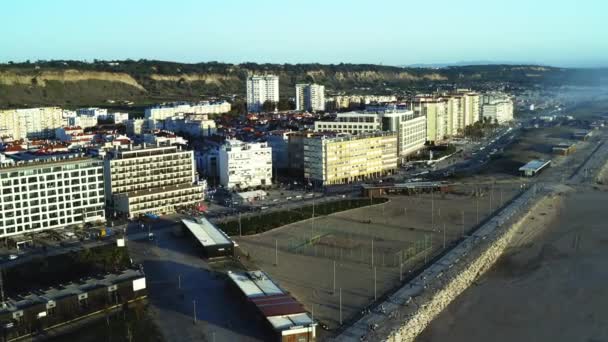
(206,233)
(534,165)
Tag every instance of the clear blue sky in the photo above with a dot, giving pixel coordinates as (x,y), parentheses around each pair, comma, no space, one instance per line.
(393,32)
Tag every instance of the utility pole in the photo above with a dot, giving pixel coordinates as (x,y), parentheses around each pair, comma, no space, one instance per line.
(240,226)
(276,252)
(432,210)
(372,252)
(444,235)
(334,290)
(463,223)
(340,306)
(375,293)
(194,310)
(312,221)
(477,209)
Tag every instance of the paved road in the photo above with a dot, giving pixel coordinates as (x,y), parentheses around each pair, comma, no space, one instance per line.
(177,278)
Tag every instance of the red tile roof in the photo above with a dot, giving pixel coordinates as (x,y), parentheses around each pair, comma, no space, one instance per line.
(278,305)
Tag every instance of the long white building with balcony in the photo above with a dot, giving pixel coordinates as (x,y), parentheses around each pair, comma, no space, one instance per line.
(50,193)
(30,123)
(151,179)
(245,165)
(163,112)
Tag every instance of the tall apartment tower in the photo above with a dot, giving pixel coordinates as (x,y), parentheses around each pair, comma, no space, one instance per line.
(310,97)
(261,89)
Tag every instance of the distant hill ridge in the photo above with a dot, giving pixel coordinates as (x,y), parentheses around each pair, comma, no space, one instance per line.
(76,83)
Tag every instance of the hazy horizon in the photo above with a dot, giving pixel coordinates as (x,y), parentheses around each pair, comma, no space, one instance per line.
(388,32)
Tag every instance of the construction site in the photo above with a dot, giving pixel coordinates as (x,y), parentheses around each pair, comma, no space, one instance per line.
(337,265)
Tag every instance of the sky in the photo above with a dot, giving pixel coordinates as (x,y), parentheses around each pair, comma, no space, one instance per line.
(390,32)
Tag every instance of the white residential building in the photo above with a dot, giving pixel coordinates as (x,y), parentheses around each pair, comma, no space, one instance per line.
(74,135)
(119,118)
(410,128)
(245,165)
(261,89)
(497,107)
(92,111)
(83,121)
(195,125)
(151,179)
(163,112)
(139,126)
(310,97)
(164,138)
(50,193)
(30,123)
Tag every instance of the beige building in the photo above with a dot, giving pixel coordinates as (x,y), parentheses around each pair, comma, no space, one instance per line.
(410,127)
(151,179)
(497,107)
(435,109)
(344,158)
(30,123)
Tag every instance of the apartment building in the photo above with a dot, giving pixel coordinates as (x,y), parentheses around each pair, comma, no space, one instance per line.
(196,125)
(310,97)
(139,126)
(346,158)
(244,165)
(162,112)
(497,107)
(30,123)
(356,101)
(435,109)
(93,111)
(151,179)
(50,192)
(279,142)
(84,121)
(410,127)
(261,89)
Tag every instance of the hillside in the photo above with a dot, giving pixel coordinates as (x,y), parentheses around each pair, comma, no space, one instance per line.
(74,83)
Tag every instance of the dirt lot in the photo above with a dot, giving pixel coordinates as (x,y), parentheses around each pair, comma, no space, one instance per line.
(534,143)
(401,232)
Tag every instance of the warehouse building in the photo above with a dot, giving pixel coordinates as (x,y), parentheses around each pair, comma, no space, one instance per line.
(286,317)
(563,149)
(41,311)
(534,167)
(214,242)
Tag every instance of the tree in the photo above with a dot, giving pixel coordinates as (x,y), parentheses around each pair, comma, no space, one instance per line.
(238,107)
(286,104)
(269,106)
